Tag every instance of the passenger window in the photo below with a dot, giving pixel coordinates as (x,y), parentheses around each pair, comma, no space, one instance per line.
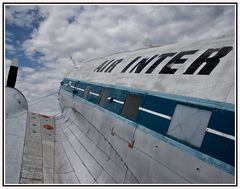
(103,97)
(131,106)
(86,92)
(189,124)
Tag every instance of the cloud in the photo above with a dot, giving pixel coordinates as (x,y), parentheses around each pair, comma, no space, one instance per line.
(22,15)
(99,30)
(10,48)
(8,37)
(91,31)
(36,83)
(28,70)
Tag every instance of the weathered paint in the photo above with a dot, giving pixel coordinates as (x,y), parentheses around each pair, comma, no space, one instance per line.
(100,141)
(211,146)
(212,170)
(215,86)
(198,75)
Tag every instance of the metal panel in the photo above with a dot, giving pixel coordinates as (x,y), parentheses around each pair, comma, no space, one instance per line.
(15,128)
(215,86)
(160,154)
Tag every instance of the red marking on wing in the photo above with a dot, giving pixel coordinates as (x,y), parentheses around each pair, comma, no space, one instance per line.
(49,127)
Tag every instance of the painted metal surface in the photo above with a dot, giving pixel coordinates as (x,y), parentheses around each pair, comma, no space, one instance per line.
(16,108)
(197,76)
(151,158)
(85,155)
(35,156)
(160,110)
(217,85)
(38,153)
(121,121)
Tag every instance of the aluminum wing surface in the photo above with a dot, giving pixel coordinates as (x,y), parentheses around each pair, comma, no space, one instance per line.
(40,149)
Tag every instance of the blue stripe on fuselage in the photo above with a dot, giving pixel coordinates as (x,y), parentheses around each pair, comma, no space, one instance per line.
(222,118)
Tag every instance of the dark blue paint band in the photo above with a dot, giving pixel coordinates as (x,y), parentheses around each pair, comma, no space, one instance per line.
(222,118)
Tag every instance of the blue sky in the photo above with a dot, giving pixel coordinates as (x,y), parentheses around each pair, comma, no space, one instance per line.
(43,36)
(17,31)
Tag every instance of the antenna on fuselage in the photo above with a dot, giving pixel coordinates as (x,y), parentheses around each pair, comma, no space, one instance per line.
(74,63)
(147,43)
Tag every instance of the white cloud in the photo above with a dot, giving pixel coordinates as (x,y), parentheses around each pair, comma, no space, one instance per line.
(22,15)
(43,81)
(27,70)
(99,30)
(91,31)
(10,48)
(8,37)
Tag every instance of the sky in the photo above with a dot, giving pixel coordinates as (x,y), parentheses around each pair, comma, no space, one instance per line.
(43,36)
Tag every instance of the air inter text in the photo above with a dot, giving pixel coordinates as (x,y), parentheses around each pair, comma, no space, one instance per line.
(211,58)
